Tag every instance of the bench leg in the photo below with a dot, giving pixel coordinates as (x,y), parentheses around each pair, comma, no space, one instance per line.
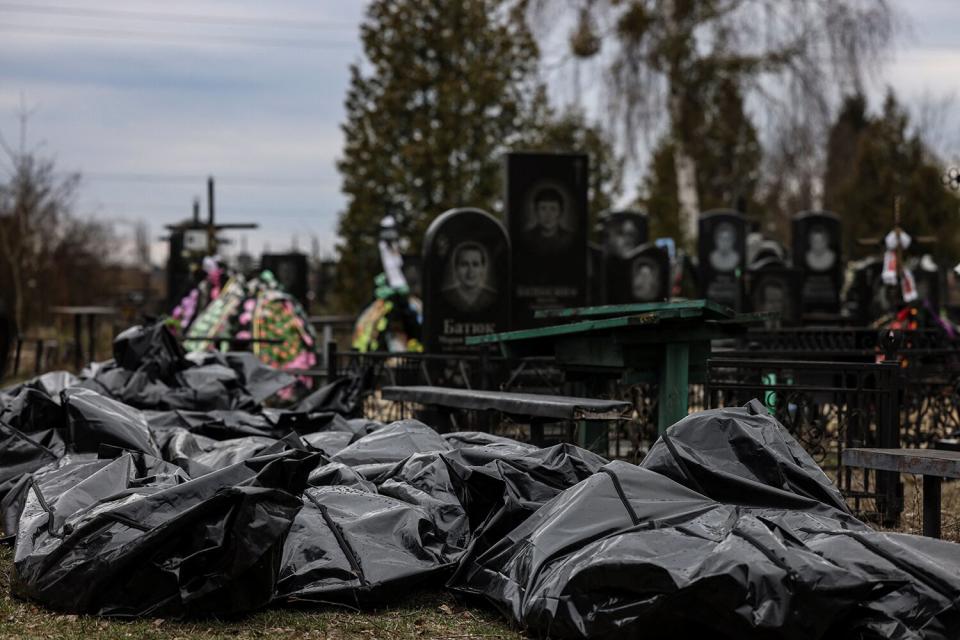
(931,506)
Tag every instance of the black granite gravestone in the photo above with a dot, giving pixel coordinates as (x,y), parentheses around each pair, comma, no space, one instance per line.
(817,242)
(722,251)
(290,270)
(179,275)
(546,199)
(466,279)
(867,297)
(774,287)
(624,231)
(643,275)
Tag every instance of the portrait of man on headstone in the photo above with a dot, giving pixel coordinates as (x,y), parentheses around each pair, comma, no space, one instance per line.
(724,257)
(469,285)
(819,257)
(645,280)
(548,229)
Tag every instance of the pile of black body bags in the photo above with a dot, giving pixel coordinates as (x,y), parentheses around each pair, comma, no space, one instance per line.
(154,485)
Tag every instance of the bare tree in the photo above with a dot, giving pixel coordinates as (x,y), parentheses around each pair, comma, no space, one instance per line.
(44,251)
(800,54)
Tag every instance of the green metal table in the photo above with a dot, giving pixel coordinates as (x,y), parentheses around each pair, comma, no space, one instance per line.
(667,343)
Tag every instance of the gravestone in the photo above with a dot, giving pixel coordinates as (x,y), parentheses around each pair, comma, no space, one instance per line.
(817,242)
(643,275)
(774,287)
(722,251)
(466,279)
(180,277)
(290,270)
(624,231)
(867,298)
(546,213)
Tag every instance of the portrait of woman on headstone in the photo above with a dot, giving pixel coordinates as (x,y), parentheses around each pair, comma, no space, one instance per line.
(820,257)
(645,281)
(469,285)
(724,256)
(547,228)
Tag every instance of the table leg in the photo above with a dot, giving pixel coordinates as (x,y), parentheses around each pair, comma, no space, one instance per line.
(931,506)
(536,433)
(674,389)
(78,345)
(594,435)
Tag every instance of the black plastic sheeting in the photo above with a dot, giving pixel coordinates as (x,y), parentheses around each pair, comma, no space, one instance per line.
(727,529)
(638,551)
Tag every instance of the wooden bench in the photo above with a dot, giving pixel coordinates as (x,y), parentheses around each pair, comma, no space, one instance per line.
(593,414)
(932,464)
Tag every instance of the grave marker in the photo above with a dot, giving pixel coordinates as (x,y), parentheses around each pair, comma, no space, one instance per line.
(624,231)
(722,251)
(643,275)
(817,243)
(290,270)
(466,279)
(546,213)
(774,287)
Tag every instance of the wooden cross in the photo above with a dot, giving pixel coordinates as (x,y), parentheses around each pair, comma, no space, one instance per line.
(898,229)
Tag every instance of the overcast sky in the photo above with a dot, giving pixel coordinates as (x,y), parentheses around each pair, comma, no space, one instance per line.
(145,99)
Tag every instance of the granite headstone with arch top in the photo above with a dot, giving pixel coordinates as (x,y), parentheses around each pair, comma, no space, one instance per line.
(546,214)
(466,279)
(722,253)
(817,252)
(774,287)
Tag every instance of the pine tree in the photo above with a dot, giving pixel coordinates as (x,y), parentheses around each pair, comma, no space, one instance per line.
(875,159)
(447,86)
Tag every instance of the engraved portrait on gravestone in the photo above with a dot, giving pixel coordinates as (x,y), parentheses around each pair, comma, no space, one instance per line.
(645,280)
(468,283)
(548,229)
(819,256)
(724,257)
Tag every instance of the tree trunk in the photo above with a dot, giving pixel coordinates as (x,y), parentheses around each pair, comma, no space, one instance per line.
(684,164)
(686,169)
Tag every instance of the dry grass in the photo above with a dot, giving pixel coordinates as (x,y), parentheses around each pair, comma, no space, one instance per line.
(430,614)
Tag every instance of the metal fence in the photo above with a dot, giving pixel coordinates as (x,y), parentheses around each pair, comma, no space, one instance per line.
(827,406)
